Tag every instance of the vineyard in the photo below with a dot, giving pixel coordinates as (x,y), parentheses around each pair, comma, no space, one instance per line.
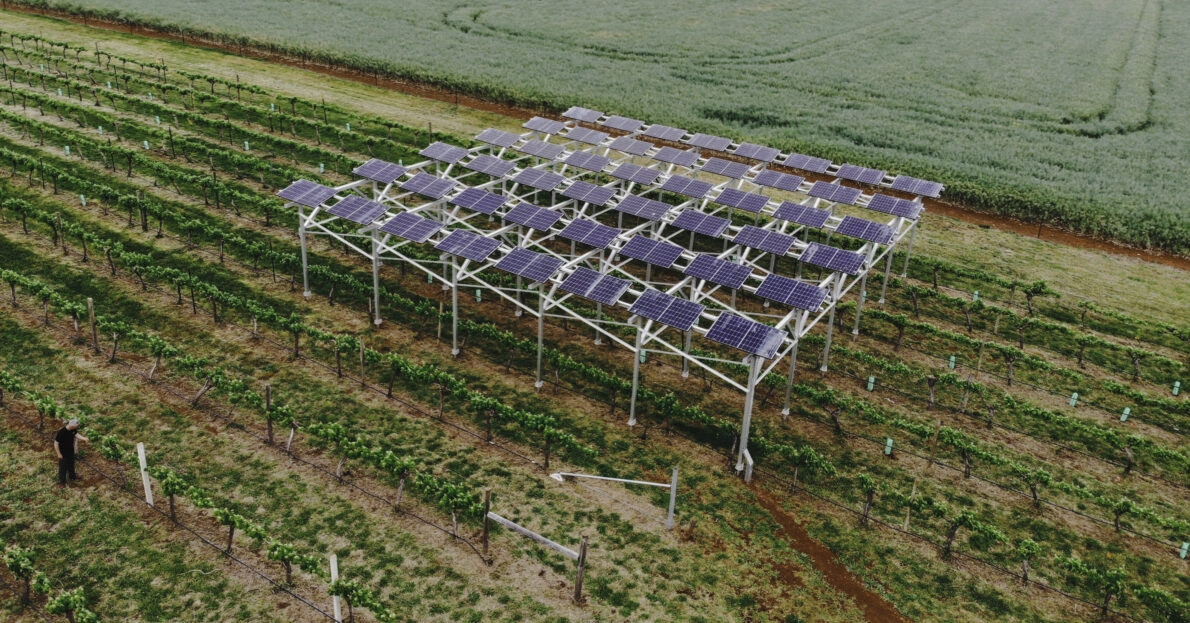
(993,444)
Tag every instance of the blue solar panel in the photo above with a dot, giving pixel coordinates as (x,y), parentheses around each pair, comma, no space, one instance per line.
(860,174)
(702,223)
(586,135)
(726,168)
(676,156)
(499,138)
(696,189)
(623,123)
(746,335)
(710,141)
(629,145)
(307,193)
(428,186)
(667,309)
(798,213)
(834,259)
(357,209)
(778,180)
(532,216)
(636,173)
(925,188)
(491,165)
(589,193)
(736,198)
(443,152)
(765,240)
(468,244)
(654,252)
(411,227)
(539,179)
(664,132)
(719,271)
(588,161)
(648,209)
(478,200)
(894,206)
(585,115)
(541,149)
(834,192)
(537,267)
(756,152)
(543,125)
(807,163)
(595,286)
(865,230)
(595,234)
(792,292)
(380,171)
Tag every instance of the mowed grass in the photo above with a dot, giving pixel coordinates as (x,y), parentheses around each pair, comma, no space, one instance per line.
(1072,112)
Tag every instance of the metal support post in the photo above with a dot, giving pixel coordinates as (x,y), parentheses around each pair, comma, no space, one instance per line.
(335,605)
(797,340)
(454,307)
(540,334)
(887,269)
(305,262)
(859,305)
(673,499)
(830,327)
(144,473)
(640,330)
(749,399)
(376,279)
(909,249)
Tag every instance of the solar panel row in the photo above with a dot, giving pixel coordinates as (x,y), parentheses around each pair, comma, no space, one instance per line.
(636,173)
(468,244)
(710,141)
(623,123)
(532,216)
(667,309)
(539,179)
(586,115)
(830,258)
(651,251)
(358,210)
(803,215)
(865,230)
(541,149)
(537,267)
(648,209)
(719,271)
(499,138)
(428,186)
(736,198)
(592,285)
(588,161)
(791,292)
(925,188)
(860,174)
(491,165)
(543,125)
(778,180)
(765,240)
(586,135)
(664,132)
(836,193)
(701,223)
(894,206)
(629,145)
(380,171)
(478,200)
(411,227)
(696,189)
(746,335)
(595,234)
(444,152)
(589,193)
(307,193)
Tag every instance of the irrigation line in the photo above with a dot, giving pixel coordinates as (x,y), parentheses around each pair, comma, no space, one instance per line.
(276,585)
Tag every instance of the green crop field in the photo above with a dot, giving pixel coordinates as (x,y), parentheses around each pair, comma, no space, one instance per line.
(1035,396)
(1072,112)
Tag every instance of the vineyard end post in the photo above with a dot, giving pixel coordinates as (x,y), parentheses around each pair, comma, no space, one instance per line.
(144,473)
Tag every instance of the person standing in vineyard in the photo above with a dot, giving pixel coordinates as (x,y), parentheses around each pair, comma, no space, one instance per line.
(65,446)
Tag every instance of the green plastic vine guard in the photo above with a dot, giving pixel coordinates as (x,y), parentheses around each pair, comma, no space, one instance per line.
(1125,414)
(1185,549)
(42,66)
(109,84)
(888,444)
(101,130)
(157,118)
(1074,399)
(871,383)
(952,362)
(429,278)
(478,295)
(643,356)
(151,98)
(59,92)
(83,200)
(1177,387)
(247,147)
(348,125)
(272,108)
(321,167)
(975,295)
(145,143)
(67,148)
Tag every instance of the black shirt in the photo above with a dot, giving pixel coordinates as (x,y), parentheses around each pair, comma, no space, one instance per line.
(65,439)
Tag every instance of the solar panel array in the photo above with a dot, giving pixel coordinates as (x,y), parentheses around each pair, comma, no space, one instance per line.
(596,286)
(664,132)
(479,200)
(689,187)
(757,152)
(536,267)
(648,209)
(779,180)
(493,166)
(651,251)
(807,163)
(773,242)
(428,185)
(719,271)
(701,223)
(539,179)
(444,152)
(667,309)
(595,234)
(894,206)
(726,168)
(736,198)
(543,125)
(834,192)
(925,188)
(789,291)
(747,335)
(541,149)
(411,227)
(865,230)
(834,259)
(499,138)
(586,115)
(468,244)
(860,174)
(378,170)
(358,210)
(804,215)
(307,193)
(629,145)
(589,193)
(673,155)
(636,173)
(623,123)
(710,141)
(586,135)
(588,161)
(532,216)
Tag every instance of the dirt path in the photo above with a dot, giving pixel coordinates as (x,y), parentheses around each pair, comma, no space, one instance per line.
(876,608)
(944,208)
